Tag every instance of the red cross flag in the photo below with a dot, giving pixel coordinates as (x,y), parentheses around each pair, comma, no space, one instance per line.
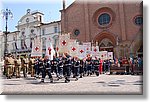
(73,47)
(37,47)
(87,47)
(95,51)
(50,52)
(81,51)
(110,55)
(64,42)
(103,55)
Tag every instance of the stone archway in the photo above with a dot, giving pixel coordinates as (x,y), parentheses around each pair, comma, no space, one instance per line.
(105,41)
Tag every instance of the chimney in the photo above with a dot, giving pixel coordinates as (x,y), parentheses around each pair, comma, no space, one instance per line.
(64,4)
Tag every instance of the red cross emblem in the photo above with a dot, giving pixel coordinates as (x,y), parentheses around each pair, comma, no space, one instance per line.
(36,48)
(87,48)
(64,42)
(95,50)
(73,49)
(81,51)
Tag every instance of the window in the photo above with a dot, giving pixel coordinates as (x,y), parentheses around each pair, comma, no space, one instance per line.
(76,32)
(55,30)
(43,31)
(104,19)
(139,20)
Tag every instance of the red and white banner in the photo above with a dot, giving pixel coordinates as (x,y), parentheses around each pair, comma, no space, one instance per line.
(50,52)
(87,47)
(95,51)
(110,55)
(81,51)
(64,43)
(73,48)
(37,47)
(103,55)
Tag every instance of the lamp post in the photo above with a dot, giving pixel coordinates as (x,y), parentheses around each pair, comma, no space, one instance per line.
(6,13)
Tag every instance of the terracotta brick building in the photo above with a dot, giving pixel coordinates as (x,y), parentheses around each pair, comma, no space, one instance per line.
(116,26)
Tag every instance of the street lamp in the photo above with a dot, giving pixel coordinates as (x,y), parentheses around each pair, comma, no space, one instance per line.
(6,13)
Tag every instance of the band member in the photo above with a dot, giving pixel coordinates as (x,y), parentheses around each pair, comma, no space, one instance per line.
(46,69)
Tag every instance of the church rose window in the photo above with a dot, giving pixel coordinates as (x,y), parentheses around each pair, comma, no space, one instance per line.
(138,20)
(104,19)
(76,32)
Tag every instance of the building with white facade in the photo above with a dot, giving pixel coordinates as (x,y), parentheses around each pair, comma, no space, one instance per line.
(29,26)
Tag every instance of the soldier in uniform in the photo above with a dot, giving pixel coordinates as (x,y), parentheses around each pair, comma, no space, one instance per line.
(9,61)
(66,67)
(23,67)
(55,65)
(31,66)
(81,68)
(76,67)
(96,66)
(26,65)
(17,67)
(46,69)
(89,66)
(60,67)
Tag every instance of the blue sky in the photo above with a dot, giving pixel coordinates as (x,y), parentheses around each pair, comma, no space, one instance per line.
(50,8)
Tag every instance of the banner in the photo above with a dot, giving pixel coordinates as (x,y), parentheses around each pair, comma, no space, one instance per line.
(95,51)
(87,47)
(64,43)
(81,51)
(50,52)
(103,55)
(37,47)
(73,48)
(110,55)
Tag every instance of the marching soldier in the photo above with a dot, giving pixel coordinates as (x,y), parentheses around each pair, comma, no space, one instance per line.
(31,66)
(66,67)
(76,68)
(23,67)
(9,61)
(81,68)
(96,66)
(60,67)
(46,69)
(54,65)
(17,67)
(89,66)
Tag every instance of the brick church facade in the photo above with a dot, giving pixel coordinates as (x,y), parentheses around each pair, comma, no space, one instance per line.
(116,26)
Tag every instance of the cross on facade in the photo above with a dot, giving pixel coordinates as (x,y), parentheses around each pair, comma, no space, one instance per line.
(64,42)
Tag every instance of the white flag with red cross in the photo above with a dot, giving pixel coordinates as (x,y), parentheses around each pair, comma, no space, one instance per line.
(64,43)
(81,51)
(95,51)
(87,47)
(37,47)
(103,55)
(73,48)
(110,55)
(50,52)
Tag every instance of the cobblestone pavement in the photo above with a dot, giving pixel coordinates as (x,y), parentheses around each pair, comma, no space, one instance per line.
(103,84)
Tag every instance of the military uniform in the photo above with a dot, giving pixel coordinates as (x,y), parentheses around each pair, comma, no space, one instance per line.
(17,67)
(76,68)
(89,66)
(66,69)
(96,66)
(60,68)
(9,61)
(46,69)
